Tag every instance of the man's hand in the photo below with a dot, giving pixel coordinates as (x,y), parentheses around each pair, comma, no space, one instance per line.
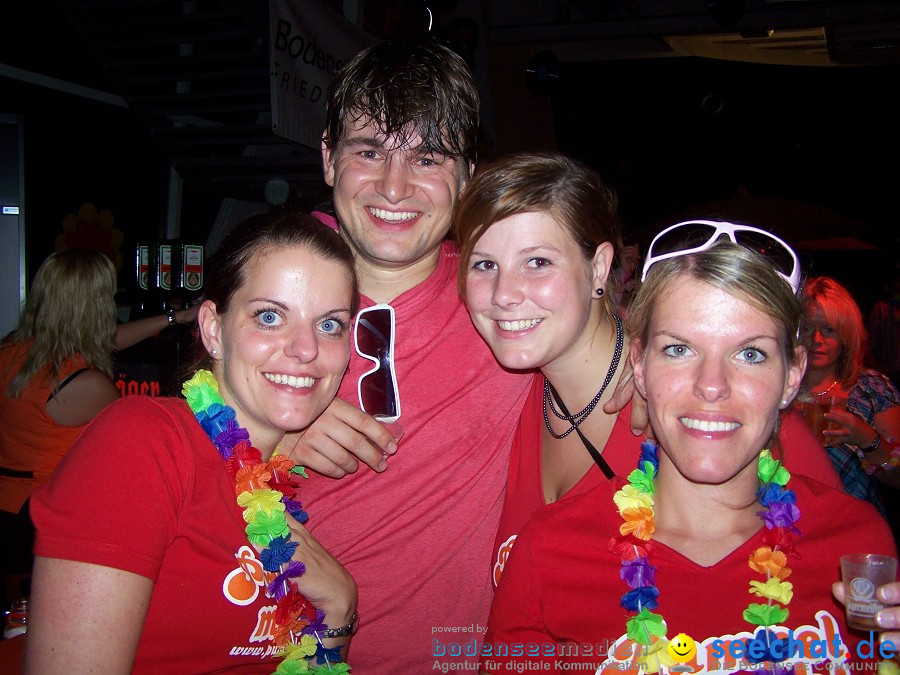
(339,439)
(625,392)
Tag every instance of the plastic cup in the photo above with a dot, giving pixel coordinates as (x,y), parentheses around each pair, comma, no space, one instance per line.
(862,574)
(834,403)
(814,410)
(814,414)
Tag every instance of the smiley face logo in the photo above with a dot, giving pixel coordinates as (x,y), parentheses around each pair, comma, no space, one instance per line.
(682,648)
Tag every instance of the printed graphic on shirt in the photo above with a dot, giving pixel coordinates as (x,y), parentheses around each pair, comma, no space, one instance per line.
(243,585)
(806,646)
(502,556)
(682,649)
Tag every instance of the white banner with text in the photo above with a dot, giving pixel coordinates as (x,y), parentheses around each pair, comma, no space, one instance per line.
(309,41)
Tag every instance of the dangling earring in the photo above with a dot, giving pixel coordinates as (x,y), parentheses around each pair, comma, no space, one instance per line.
(599,292)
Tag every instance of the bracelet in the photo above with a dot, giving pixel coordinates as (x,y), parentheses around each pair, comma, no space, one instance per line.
(891,464)
(343,631)
(873,446)
(170,317)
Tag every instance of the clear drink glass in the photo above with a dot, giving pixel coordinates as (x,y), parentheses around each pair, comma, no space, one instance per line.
(862,574)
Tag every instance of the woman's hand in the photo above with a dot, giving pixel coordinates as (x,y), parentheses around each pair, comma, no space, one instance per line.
(851,429)
(326,584)
(889,617)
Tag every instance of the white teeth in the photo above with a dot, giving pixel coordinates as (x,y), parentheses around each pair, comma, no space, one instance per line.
(290,380)
(705,425)
(521,324)
(394,216)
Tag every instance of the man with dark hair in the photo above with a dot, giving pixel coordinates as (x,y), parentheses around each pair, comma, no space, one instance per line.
(398,147)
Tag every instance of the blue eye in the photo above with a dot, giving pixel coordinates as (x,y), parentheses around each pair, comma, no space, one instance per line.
(332,326)
(268,317)
(752,355)
(676,351)
(431,160)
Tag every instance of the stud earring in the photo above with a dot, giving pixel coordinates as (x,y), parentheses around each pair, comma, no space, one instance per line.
(599,292)
(214,352)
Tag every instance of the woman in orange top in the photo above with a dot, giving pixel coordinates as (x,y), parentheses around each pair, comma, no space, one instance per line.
(55,376)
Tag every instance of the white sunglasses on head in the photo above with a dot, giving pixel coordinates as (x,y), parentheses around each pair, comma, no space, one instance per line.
(693,236)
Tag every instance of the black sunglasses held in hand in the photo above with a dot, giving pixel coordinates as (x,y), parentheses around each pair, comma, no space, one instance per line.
(374,338)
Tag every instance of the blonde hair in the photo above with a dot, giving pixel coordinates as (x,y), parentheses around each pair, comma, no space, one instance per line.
(70,311)
(739,272)
(734,269)
(843,315)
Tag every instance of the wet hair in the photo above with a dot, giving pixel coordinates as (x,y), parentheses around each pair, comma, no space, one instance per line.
(407,87)
(732,268)
(70,310)
(844,316)
(572,193)
(254,237)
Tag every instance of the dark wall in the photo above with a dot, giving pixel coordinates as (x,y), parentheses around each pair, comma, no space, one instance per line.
(670,133)
(674,133)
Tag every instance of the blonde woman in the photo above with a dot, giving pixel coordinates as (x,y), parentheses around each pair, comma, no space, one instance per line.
(55,376)
(699,538)
(862,438)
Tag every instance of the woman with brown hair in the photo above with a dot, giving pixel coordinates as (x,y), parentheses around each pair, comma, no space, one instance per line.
(536,234)
(175,517)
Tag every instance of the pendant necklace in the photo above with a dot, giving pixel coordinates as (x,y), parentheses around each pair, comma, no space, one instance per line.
(830,387)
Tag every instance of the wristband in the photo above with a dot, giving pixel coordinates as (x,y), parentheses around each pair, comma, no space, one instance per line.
(170,317)
(343,631)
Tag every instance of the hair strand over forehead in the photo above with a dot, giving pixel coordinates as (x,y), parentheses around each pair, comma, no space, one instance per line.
(572,193)
(407,88)
(236,256)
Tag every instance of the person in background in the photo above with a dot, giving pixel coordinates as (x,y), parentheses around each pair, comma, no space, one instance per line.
(861,440)
(129,333)
(55,377)
(635,562)
(169,539)
(535,233)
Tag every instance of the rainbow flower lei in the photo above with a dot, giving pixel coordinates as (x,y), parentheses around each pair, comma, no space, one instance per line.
(635,504)
(266,491)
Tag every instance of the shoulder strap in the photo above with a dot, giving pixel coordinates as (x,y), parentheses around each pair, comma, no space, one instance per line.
(66,381)
(598,458)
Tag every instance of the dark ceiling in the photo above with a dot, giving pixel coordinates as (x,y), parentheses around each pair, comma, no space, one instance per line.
(194,74)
